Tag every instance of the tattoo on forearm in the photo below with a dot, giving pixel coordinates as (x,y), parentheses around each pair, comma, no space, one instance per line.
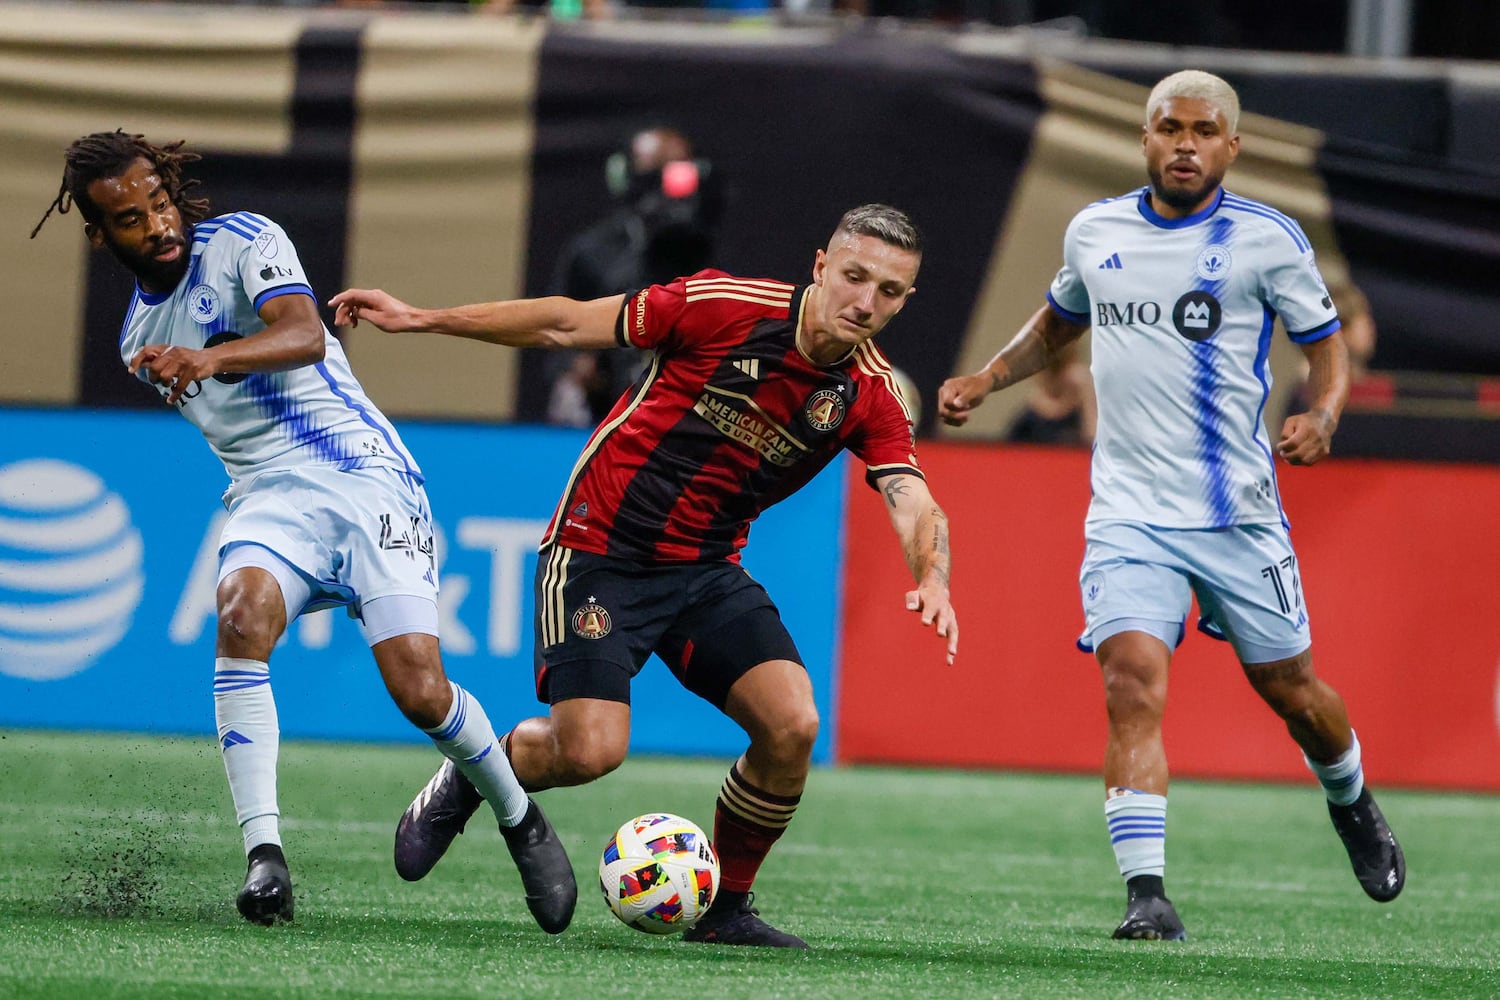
(939,530)
(896,487)
(940,549)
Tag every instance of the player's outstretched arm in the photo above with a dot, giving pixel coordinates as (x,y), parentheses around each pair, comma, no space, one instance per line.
(553,321)
(1027,353)
(922,528)
(1307,438)
(292,338)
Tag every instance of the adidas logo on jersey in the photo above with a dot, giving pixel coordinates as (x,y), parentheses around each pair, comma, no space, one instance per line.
(750,366)
(1112,263)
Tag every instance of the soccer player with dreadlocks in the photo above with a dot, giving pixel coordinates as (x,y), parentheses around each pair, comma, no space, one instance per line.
(326,505)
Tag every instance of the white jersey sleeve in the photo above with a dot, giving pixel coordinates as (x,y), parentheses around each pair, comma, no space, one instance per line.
(1069,294)
(1181,312)
(314,415)
(1295,291)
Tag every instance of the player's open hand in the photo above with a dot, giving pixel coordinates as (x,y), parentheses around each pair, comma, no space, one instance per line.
(180,369)
(379,308)
(960,394)
(1306,438)
(931,602)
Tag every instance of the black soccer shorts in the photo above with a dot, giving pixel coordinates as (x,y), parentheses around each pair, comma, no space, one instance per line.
(599,618)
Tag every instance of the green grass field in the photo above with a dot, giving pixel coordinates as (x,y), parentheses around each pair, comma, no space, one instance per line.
(119,860)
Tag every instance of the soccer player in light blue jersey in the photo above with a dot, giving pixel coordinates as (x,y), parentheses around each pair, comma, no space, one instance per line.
(326,505)
(1180,282)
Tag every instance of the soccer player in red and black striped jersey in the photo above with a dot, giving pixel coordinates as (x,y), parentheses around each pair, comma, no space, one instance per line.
(753,387)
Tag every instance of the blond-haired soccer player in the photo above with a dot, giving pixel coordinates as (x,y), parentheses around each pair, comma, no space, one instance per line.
(1179,281)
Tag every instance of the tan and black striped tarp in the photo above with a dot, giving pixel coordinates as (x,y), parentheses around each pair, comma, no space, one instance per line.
(450,157)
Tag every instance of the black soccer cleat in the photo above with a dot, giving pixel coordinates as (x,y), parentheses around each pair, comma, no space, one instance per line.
(1378,862)
(1150,918)
(267,895)
(546,872)
(740,924)
(434,818)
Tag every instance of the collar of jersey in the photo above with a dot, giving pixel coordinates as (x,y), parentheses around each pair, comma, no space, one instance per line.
(1162,222)
(806,292)
(151,298)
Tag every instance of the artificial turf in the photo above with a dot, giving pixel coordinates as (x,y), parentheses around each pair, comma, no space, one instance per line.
(119,861)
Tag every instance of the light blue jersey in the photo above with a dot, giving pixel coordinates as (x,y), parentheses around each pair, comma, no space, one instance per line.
(1182,313)
(316,415)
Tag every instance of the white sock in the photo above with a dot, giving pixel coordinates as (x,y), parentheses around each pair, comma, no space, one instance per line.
(1344,779)
(249,738)
(1137,831)
(467,739)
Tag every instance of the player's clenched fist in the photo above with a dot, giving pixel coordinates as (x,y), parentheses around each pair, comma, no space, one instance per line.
(960,394)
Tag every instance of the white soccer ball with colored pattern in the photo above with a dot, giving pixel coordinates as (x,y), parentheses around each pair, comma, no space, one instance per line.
(659,873)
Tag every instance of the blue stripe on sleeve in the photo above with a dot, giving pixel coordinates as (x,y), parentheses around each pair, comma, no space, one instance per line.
(280,290)
(1072,317)
(250,223)
(1317,333)
(238,230)
(1288,224)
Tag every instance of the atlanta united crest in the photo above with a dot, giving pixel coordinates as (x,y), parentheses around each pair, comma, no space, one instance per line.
(591,621)
(825,410)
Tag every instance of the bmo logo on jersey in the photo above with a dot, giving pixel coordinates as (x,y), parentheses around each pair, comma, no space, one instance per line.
(1127,313)
(1197,315)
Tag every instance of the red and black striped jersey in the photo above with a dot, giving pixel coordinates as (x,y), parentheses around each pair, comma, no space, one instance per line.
(729,418)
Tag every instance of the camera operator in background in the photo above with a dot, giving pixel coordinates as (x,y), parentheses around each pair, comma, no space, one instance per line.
(663,226)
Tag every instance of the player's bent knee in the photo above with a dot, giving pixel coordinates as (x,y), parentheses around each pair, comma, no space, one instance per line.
(424,699)
(585,761)
(790,740)
(1131,694)
(248,625)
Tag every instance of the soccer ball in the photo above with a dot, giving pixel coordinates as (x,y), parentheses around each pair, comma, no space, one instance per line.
(659,873)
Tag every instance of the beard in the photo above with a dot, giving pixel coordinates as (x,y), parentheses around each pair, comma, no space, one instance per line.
(1183,198)
(154,275)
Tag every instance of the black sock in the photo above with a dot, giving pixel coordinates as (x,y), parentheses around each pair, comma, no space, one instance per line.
(1143,886)
(727,900)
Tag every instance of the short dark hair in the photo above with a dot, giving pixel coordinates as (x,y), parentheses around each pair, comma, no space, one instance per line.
(110,154)
(887,224)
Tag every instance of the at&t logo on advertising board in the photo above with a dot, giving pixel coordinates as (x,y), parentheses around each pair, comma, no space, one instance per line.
(71,574)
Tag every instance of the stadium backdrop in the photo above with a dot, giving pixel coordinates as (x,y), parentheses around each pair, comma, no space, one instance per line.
(447,158)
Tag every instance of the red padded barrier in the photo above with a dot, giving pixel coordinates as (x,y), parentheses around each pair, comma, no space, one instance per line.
(1399,566)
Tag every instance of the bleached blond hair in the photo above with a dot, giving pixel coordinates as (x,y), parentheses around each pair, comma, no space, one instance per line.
(1194,83)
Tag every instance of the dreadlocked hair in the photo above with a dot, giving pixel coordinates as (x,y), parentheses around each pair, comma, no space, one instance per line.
(110,154)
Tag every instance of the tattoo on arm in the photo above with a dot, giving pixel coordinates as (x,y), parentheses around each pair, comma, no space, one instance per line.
(939,558)
(895,488)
